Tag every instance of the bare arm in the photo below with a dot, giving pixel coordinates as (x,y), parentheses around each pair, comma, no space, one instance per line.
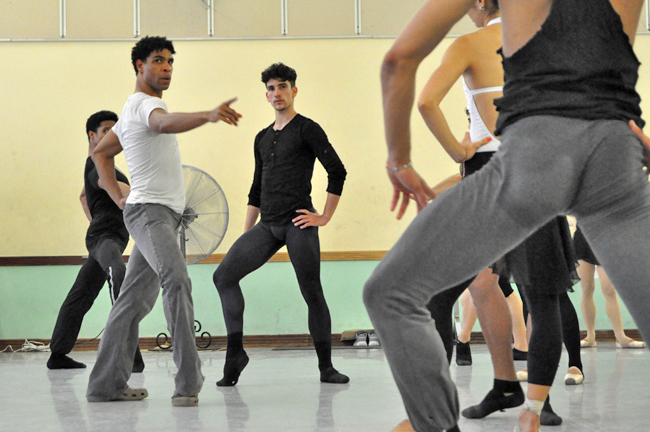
(630,12)
(454,63)
(104,159)
(417,40)
(163,122)
(124,188)
(447,183)
(252,213)
(84,204)
(307,218)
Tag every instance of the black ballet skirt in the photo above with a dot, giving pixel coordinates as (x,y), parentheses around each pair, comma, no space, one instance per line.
(583,250)
(545,263)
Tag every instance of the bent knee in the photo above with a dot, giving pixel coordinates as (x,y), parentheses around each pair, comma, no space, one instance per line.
(374,293)
(223,278)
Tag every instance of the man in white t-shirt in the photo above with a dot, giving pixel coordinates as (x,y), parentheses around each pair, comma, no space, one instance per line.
(152,213)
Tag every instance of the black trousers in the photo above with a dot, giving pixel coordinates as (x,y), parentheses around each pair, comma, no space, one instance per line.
(254,248)
(104,264)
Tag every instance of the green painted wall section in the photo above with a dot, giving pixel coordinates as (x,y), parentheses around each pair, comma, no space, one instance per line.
(30,298)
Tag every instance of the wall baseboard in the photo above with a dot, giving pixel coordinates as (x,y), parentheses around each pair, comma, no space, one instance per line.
(263,341)
(212,259)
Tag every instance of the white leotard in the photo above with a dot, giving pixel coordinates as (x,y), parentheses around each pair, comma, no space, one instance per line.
(477,128)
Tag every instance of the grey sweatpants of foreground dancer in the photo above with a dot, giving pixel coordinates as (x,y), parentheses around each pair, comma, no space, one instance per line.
(599,178)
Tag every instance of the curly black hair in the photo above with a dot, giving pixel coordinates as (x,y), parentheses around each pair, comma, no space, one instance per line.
(146,46)
(95,120)
(281,72)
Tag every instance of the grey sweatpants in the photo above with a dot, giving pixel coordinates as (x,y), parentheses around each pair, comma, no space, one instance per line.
(155,261)
(546,166)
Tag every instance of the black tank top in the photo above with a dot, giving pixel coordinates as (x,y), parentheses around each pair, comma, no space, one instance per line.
(579,65)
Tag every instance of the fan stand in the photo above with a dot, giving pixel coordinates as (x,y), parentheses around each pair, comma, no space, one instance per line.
(162,340)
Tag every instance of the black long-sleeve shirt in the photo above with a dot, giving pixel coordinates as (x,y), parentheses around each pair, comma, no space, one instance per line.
(284,165)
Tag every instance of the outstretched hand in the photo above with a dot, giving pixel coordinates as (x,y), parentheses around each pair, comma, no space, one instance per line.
(408,185)
(225,113)
(644,140)
(471,147)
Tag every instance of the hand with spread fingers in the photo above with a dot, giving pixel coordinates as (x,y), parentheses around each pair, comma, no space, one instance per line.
(407,185)
(225,113)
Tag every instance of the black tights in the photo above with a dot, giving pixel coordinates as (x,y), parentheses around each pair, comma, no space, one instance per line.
(254,248)
(441,307)
(554,320)
(564,325)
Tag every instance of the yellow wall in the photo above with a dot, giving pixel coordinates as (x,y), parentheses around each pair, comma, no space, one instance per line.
(48,89)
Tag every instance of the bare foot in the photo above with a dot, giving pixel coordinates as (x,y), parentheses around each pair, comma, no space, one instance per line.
(528,421)
(405,426)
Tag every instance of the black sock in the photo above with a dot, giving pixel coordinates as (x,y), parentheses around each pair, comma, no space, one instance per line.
(504,394)
(519,354)
(235,345)
(548,416)
(332,376)
(324,353)
(62,361)
(463,354)
(504,386)
(138,362)
(236,360)
(327,372)
(453,429)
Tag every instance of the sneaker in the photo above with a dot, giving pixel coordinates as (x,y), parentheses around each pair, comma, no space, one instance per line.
(130,394)
(373,340)
(362,340)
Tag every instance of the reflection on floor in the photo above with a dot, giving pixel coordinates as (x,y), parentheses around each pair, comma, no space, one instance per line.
(279,391)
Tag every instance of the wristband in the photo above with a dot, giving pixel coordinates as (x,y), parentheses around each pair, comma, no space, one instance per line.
(400,168)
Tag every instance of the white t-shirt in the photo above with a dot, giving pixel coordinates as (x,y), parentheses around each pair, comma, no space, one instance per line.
(154,159)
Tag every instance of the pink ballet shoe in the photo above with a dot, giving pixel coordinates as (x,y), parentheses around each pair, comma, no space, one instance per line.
(632,345)
(586,344)
(573,378)
(522,375)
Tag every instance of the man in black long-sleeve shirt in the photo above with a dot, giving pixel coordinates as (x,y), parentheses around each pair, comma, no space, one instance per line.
(285,153)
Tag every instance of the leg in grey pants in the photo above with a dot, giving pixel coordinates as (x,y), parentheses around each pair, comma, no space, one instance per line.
(547,166)
(155,261)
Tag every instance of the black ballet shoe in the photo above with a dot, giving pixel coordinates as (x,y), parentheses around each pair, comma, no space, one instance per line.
(548,416)
(463,354)
(232,369)
(332,376)
(519,355)
(62,361)
(494,401)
